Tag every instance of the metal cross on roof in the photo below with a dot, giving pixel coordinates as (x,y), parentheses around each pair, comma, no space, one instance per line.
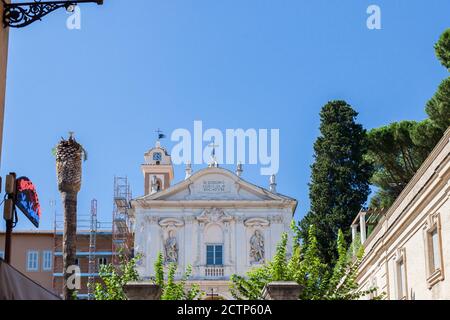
(213,162)
(213,145)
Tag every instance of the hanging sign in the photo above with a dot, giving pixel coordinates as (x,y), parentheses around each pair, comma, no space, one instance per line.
(27,200)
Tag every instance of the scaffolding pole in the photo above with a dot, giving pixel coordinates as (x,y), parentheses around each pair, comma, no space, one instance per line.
(92,266)
(121,227)
(87,222)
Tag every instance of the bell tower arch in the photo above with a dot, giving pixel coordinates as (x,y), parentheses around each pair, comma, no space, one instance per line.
(157,169)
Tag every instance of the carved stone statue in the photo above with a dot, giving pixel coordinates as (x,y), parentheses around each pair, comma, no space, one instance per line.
(156,185)
(257,247)
(171,249)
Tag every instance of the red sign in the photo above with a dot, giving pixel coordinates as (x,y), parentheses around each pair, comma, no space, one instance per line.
(27,200)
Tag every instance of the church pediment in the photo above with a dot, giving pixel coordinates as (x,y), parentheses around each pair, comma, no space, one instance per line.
(215,184)
(218,186)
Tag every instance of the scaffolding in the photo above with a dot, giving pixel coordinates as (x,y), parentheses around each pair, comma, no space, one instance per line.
(92,264)
(86,223)
(122,237)
(84,220)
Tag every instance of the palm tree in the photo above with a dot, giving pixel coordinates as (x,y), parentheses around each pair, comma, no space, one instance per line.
(69,155)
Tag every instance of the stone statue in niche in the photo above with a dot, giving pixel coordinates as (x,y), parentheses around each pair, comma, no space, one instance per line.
(257,247)
(171,249)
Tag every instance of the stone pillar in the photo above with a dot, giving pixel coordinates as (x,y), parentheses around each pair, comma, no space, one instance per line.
(4,35)
(240,246)
(154,245)
(362,226)
(199,251)
(142,291)
(188,250)
(227,244)
(232,234)
(282,290)
(354,231)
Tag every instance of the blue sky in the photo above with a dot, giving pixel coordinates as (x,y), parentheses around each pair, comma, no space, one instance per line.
(139,65)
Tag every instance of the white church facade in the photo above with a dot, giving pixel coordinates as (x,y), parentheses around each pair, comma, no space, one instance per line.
(213,220)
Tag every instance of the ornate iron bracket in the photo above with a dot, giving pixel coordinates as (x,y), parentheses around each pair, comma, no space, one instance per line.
(19,15)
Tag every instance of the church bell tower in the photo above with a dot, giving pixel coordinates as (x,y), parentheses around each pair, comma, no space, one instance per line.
(157,169)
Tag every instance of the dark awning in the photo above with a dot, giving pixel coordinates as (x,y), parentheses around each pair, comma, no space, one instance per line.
(14,285)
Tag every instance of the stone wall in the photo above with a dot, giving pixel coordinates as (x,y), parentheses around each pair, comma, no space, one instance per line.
(402,237)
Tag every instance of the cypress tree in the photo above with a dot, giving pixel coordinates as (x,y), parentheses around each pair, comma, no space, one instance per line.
(340,177)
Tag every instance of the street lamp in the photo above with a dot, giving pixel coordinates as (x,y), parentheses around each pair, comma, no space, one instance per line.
(19,15)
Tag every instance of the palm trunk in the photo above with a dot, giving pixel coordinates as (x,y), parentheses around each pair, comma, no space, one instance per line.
(69,201)
(68,170)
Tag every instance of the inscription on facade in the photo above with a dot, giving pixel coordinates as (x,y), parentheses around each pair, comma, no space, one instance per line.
(213,186)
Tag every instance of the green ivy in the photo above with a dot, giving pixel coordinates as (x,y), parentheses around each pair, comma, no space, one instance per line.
(172,289)
(307,269)
(114,278)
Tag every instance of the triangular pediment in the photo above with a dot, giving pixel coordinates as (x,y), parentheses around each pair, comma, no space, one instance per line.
(215,184)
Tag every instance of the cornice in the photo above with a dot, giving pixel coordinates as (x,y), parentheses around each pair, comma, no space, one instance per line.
(236,204)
